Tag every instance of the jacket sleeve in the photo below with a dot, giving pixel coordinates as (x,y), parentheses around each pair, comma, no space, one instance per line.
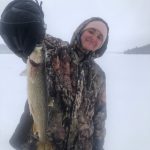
(22,130)
(54,43)
(100,117)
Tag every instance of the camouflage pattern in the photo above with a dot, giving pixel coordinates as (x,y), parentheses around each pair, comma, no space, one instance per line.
(77,112)
(76,87)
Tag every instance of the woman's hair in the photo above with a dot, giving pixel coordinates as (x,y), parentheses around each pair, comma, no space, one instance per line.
(22,26)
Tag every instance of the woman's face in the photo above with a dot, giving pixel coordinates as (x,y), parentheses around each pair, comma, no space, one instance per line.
(94,35)
(91,39)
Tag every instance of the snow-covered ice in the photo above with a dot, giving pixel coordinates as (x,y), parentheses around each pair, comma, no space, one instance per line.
(128,100)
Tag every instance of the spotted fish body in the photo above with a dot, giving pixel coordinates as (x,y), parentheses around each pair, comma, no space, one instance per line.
(36,88)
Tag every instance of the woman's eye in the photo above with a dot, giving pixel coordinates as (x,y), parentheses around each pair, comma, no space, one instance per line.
(91,32)
(100,37)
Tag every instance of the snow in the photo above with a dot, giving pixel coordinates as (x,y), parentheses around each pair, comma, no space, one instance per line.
(128,99)
(12,96)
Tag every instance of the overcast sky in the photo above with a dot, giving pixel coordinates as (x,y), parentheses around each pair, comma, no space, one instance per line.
(129,20)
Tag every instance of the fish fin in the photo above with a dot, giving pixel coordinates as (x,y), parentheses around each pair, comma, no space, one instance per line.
(23,73)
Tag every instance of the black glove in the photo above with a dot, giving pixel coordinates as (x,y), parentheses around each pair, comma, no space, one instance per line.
(28,146)
(22,26)
(22,132)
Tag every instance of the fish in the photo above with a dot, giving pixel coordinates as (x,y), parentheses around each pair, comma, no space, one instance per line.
(37,95)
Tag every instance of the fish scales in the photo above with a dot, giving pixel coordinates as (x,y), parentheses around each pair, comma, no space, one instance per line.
(37,96)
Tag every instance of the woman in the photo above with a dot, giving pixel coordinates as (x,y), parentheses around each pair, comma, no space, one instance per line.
(78,84)
(76,89)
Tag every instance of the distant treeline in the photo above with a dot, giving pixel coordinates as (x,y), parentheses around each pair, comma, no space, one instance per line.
(139,50)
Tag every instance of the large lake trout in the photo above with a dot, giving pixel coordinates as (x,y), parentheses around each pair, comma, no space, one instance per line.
(37,96)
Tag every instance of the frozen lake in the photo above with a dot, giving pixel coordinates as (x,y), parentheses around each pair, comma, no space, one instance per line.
(128,100)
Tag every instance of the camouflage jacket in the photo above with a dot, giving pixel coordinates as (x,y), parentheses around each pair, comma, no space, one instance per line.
(76,88)
(76,91)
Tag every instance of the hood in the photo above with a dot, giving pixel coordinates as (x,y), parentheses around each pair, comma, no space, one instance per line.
(75,41)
